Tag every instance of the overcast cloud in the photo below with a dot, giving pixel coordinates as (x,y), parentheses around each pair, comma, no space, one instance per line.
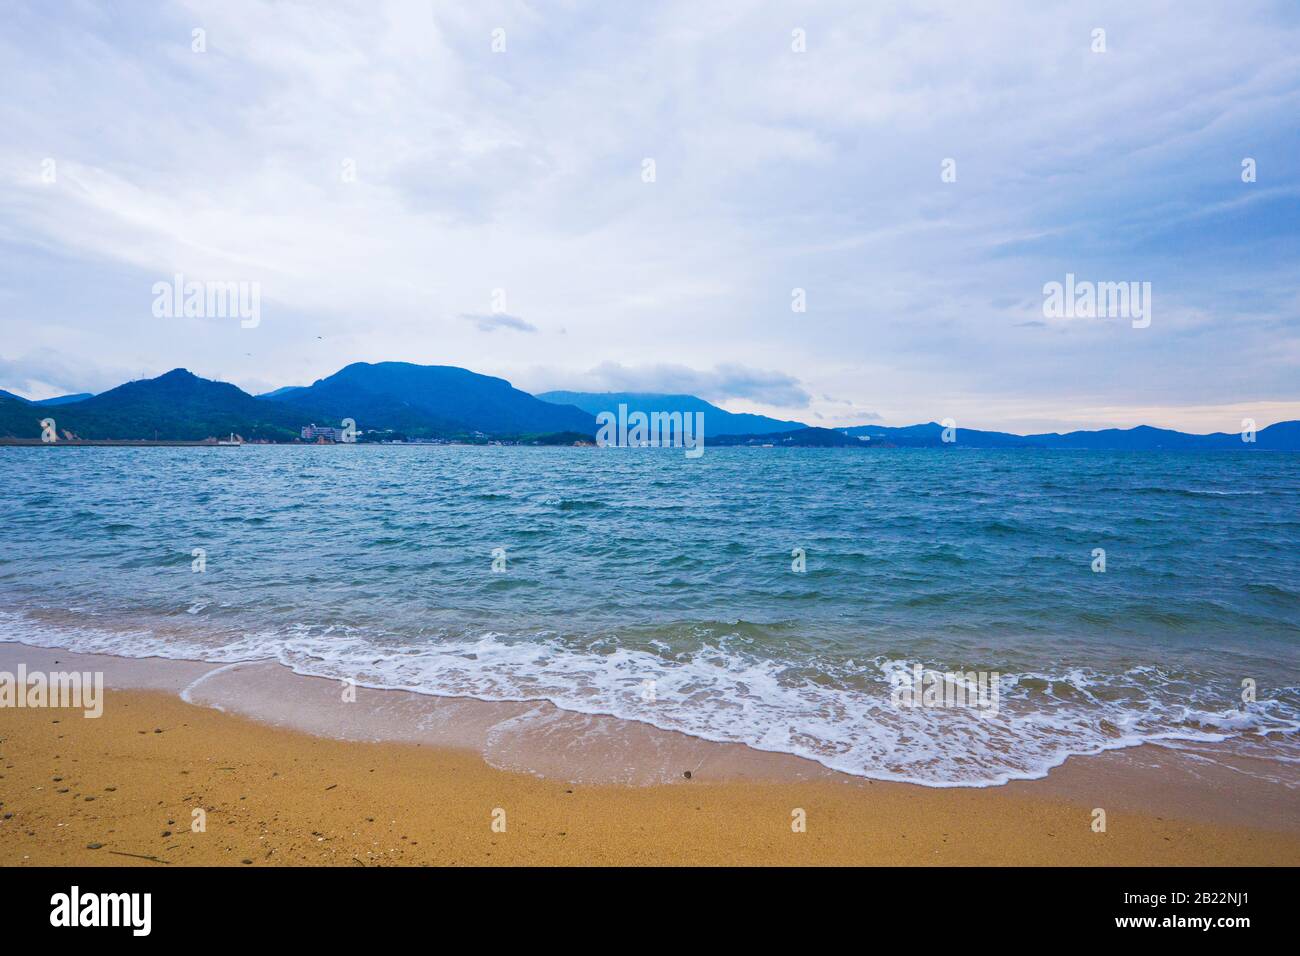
(385,176)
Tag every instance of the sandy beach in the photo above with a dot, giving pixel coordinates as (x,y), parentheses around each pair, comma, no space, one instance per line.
(123,790)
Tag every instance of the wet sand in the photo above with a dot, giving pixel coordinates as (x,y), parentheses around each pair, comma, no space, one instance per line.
(123,790)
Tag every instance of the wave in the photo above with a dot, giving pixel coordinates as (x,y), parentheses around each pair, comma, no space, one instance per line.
(722,692)
(1192,492)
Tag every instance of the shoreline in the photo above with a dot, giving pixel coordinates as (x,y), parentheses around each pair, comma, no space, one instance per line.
(432,762)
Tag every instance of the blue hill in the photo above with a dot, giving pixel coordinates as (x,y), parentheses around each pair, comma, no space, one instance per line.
(432,400)
(717,421)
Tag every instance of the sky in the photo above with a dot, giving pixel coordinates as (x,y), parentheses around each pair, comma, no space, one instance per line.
(626,197)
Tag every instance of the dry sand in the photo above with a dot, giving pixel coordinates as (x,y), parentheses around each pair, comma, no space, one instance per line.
(127,784)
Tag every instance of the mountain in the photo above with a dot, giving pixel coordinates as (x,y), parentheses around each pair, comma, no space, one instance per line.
(18,419)
(279,392)
(57,400)
(717,421)
(177,406)
(1141,438)
(432,401)
(65,399)
(930,435)
(1284,436)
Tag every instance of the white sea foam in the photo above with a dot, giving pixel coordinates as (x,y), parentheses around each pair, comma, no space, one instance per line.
(730,696)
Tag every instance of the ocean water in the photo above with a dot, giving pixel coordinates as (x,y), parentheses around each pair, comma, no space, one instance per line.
(643,585)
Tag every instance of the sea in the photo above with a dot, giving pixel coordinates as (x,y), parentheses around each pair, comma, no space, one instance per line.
(776,598)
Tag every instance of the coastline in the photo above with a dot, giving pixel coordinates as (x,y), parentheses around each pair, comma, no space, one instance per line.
(313,785)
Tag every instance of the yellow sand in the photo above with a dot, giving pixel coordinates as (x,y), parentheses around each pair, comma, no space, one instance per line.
(274,796)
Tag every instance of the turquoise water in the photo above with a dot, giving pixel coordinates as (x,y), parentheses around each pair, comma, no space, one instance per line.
(644,585)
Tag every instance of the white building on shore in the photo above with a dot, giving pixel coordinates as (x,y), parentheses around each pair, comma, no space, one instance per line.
(315,432)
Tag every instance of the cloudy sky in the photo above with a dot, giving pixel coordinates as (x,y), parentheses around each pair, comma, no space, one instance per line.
(399,189)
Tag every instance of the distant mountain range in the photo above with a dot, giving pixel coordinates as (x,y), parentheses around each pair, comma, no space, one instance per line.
(1284,436)
(717,421)
(397,400)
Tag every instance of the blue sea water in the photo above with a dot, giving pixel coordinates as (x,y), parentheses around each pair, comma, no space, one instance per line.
(644,585)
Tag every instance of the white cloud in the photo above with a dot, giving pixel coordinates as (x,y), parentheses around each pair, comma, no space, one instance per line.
(720,384)
(491,321)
